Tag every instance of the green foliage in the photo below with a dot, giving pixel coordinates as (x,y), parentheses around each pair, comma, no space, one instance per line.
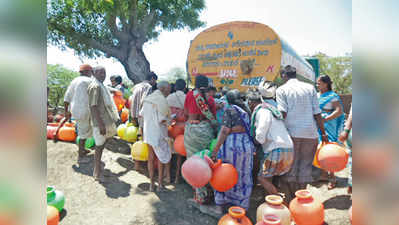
(339,69)
(174,74)
(112,27)
(58,79)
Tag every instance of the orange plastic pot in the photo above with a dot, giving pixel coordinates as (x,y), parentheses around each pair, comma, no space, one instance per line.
(235,216)
(124,115)
(67,133)
(332,157)
(306,210)
(179,145)
(53,216)
(176,130)
(224,176)
(196,171)
(119,100)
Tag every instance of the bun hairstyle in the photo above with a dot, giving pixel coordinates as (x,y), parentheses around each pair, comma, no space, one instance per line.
(326,79)
(234,98)
(201,83)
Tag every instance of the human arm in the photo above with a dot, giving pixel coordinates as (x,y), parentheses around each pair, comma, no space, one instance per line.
(337,111)
(67,112)
(282,104)
(320,124)
(224,132)
(348,126)
(94,97)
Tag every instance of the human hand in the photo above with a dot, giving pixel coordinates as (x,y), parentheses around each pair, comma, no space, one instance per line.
(324,138)
(214,155)
(343,136)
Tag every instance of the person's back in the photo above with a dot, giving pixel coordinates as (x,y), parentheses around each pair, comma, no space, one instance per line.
(76,95)
(299,100)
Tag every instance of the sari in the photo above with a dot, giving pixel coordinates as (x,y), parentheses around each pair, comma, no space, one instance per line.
(238,150)
(335,126)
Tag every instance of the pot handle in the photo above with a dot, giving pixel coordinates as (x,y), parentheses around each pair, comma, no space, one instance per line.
(217,164)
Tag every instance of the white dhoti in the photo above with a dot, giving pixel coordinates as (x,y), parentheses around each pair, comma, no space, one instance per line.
(155,132)
(100,139)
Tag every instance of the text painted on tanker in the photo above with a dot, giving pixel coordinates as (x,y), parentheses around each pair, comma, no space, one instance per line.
(254,81)
(235,44)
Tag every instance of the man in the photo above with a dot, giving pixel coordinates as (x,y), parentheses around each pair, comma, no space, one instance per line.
(156,115)
(298,103)
(176,104)
(104,115)
(76,102)
(275,154)
(141,91)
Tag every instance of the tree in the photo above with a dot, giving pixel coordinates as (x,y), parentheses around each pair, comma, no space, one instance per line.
(58,79)
(339,69)
(174,74)
(118,28)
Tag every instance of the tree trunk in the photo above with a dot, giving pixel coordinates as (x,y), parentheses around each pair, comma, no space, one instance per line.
(136,65)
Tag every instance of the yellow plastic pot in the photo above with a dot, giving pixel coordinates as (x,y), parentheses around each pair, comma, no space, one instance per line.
(139,151)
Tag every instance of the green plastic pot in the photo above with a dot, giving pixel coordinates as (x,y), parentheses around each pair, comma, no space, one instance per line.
(55,198)
(89,142)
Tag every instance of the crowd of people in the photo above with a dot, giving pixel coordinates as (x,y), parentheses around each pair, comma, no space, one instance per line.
(269,134)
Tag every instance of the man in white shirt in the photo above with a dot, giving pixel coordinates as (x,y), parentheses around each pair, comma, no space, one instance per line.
(76,102)
(267,127)
(298,103)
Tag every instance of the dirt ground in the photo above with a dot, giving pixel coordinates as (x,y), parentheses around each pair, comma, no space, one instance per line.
(123,198)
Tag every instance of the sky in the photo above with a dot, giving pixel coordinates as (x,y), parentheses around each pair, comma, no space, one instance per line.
(309,26)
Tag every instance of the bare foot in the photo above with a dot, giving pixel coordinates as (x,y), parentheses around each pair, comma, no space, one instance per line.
(167,180)
(177,180)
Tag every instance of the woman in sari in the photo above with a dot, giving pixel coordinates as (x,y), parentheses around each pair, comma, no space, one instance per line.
(235,146)
(200,111)
(332,112)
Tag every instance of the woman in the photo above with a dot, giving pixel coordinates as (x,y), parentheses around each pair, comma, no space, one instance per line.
(200,111)
(234,145)
(332,113)
(346,136)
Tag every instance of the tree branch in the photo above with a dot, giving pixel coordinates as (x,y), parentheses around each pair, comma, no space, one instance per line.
(106,48)
(111,22)
(133,18)
(144,26)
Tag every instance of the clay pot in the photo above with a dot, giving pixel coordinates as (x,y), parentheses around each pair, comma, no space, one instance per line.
(270,219)
(224,176)
(139,151)
(121,130)
(67,133)
(196,171)
(124,115)
(176,130)
(55,198)
(179,145)
(306,210)
(274,206)
(332,157)
(53,216)
(236,216)
(130,134)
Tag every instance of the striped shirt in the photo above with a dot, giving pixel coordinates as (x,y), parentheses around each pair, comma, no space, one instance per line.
(140,91)
(299,100)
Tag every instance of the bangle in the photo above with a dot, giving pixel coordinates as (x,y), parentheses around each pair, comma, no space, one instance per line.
(347,130)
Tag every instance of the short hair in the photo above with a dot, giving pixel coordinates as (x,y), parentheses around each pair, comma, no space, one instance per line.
(151,75)
(118,79)
(180,84)
(289,70)
(98,69)
(162,84)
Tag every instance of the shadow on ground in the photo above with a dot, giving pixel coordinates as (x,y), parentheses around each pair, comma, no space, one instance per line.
(114,187)
(341,202)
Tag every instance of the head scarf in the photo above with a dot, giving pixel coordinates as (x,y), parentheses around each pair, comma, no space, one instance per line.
(267,89)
